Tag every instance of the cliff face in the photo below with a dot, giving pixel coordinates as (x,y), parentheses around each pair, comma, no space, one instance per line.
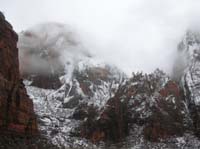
(189,51)
(151,101)
(16,109)
(61,111)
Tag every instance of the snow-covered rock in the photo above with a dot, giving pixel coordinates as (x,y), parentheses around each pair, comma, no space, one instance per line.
(61,78)
(59,110)
(79,99)
(151,101)
(189,54)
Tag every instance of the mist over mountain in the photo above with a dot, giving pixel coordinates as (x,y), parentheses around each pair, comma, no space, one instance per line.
(89,98)
(46,48)
(100,74)
(134,35)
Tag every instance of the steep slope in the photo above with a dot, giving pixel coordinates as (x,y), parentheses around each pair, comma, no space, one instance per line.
(62,111)
(16,108)
(189,49)
(73,82)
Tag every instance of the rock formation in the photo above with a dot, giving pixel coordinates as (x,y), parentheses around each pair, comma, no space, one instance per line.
(189,49)
(81,101)
(16,108)
(152,101)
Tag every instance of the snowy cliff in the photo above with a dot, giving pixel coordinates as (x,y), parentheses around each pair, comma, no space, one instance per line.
(82,80)
(189,51)
(81,101)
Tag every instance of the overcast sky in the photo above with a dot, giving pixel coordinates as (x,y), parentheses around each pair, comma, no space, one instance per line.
(133,34)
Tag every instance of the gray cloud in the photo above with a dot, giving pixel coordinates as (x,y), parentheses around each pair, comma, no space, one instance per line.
(46,48)
(133,34)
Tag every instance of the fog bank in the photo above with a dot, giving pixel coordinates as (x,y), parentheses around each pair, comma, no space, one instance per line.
(132,34)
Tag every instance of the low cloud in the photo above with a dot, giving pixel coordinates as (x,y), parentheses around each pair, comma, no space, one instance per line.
(135,35)
(47,48)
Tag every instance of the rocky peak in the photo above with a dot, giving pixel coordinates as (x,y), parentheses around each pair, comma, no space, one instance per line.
(78,86)
(189,73)
(189,55)
(190,46)
(47,52)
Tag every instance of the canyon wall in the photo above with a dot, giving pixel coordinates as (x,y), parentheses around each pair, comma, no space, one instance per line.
(16,108)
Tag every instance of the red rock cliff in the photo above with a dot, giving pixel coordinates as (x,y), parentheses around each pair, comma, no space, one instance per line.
(16,109)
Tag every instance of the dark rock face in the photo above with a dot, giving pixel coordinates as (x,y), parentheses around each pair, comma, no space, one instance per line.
(44,81)
(16,109)
(145,100)
(169,116)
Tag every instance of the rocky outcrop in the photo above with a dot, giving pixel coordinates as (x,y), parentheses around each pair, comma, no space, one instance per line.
(16,108)
(189,53)
(62,111)
(45,54)
(66,83)
(50,81)
(169,116)
(151,101)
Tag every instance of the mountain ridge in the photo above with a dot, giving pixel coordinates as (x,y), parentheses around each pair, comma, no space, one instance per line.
(82,102)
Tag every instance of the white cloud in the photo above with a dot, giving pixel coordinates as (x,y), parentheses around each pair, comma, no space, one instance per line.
(133,34)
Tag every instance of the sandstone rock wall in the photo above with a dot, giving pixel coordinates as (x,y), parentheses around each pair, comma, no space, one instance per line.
(16,109)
